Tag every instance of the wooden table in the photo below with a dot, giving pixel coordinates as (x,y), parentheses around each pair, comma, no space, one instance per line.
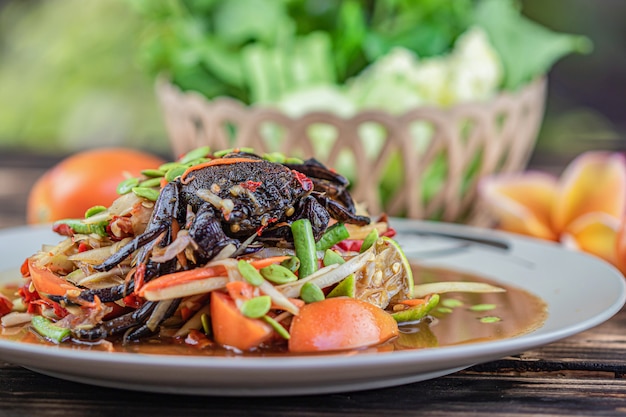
(580,375)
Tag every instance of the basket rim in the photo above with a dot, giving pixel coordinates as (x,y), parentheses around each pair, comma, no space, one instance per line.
(163,83)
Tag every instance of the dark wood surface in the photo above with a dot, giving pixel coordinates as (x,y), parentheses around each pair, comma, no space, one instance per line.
(580,375)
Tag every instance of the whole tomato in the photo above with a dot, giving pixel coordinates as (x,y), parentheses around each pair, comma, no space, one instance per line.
(84,180)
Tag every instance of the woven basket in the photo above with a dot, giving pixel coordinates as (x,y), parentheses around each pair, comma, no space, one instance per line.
(425,163)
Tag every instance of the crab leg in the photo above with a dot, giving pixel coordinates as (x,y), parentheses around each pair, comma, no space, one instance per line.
(163,310)
(165,209)
(208,234)
(116,325)
(339,212)
(326,181)
(315,169)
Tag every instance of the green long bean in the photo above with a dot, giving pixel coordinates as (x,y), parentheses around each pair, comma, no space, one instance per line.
(333,235)
(304,242)
(49,330)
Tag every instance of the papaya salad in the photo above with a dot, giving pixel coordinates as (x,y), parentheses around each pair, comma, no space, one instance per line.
(229,250)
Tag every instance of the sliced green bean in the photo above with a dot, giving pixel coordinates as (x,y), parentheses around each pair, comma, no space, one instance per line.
(224,152)
(249,273)
(83,228)
(169,166)
(49,330)
(147,193)
(196,162)
(92,211)
(175,172)
(304,242)
(153,173)
(206,324)
(418,312)
(152,182)
(292,263)
(333,235)
(294,161)
(276,157)
(332,258)
(311,293)
(277,327)
(278,274)
(483,307)
(346,288)
(490,319)
(127,185)
(201,152)
(256,307)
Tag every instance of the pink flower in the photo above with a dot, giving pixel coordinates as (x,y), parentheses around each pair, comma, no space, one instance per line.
(583,209)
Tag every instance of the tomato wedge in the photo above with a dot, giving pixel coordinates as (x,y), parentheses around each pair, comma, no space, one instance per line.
(47,282)
(231,328)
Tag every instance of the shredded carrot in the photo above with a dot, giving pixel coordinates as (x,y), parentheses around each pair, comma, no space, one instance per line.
(262,263)
(165,281)
(215,162)
(413,302)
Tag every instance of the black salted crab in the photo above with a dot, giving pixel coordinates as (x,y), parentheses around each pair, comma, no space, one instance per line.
(241,194)
(224,202)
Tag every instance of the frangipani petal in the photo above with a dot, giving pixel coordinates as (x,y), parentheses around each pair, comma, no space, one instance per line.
(594,233)
(593,182)
(522,203)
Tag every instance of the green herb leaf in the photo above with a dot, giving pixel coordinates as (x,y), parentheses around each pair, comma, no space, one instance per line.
(250,273)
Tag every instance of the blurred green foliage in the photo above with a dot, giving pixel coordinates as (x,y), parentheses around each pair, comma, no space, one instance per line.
(70,73)
(258,50)
(69,77)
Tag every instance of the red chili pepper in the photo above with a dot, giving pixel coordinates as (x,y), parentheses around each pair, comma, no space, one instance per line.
(5,305)
(29,297)
(270,221)
(140,274)
(24,270)
(62,229)
(133,300)
(305,182)
(350,245)
(251,185)
(58,310)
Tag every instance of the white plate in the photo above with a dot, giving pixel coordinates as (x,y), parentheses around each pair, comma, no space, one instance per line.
(579,290)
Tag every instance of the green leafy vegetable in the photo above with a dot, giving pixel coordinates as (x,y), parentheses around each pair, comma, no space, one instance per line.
(527,49)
